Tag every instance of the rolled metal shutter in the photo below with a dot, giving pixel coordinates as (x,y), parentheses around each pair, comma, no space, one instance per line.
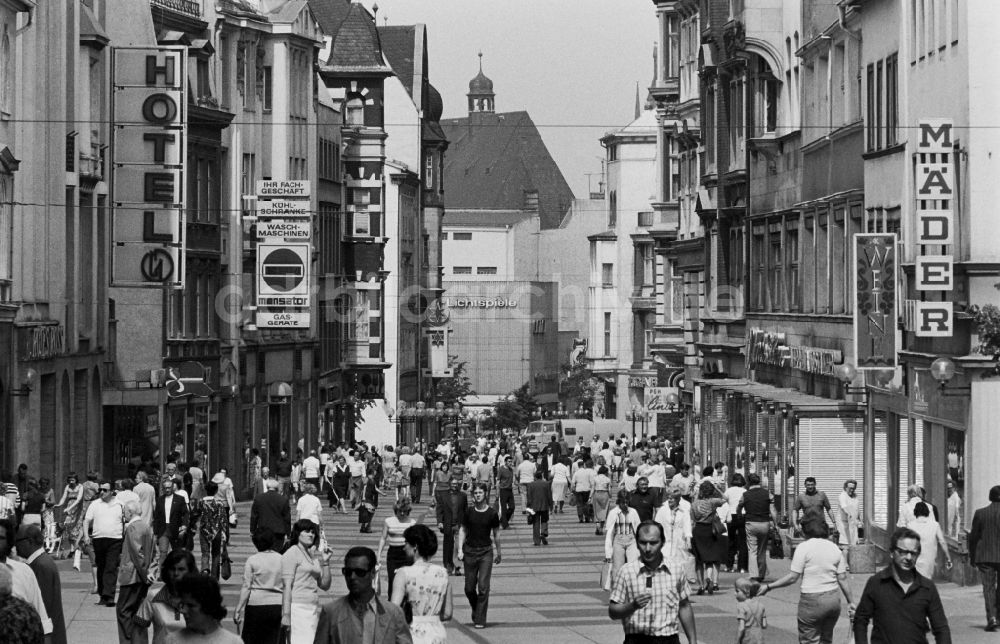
(880,514)
(832,451)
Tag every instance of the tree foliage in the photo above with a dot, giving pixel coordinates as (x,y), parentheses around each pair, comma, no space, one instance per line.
(987,320)
(514,412)
(454,389)
(579,386)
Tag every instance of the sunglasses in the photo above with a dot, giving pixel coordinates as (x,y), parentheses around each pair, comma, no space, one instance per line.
(356,572)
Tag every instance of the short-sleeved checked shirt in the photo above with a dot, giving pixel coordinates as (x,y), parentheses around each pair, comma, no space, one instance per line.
(669,589)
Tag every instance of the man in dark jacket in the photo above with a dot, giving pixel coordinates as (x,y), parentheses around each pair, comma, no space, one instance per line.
(539,504)
(450,515)
(30,548)
(271,510)
(984,553)
(170,519)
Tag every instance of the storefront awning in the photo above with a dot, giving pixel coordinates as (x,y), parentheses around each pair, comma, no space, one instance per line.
(803,404)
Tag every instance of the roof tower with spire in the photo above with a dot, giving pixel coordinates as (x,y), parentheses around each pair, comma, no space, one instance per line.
(481,96)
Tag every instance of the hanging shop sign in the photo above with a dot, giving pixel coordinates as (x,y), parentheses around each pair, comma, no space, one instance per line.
(768,348)
(641,382)
(42,342)
(148,148)
(876,276)
(935,200)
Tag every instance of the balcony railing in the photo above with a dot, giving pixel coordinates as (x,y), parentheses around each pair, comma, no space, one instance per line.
(190,7)
(92,165)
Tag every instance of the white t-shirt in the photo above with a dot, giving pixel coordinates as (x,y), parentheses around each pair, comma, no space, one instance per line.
(310,467)
(819,561)
(107,519)
(309,507)
(357,467)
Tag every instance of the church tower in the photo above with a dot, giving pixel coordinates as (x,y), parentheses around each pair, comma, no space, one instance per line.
(481,92)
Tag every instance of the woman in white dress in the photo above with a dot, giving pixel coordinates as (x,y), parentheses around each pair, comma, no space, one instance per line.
(849,513)
(560,480)
(425,586)
(931,536)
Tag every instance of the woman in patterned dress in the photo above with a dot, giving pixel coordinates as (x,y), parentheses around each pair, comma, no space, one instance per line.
(211,514)
(425,586)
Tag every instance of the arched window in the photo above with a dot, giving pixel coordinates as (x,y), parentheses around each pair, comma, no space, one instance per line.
(354,114)
(764,89)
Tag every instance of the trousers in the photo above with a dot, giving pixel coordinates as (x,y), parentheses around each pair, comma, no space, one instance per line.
(539,526)
(757,547)
(817,615)
(506,498)
(107,553)
(989,574)
(130,598)
(478,571)
(448,548)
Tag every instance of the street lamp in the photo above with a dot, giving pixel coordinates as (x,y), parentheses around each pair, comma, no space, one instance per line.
(421,413)
(634,416)
(943,370)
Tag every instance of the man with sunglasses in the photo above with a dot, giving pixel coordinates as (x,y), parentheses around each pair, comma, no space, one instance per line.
(104,527)
(900,601)
(361,617)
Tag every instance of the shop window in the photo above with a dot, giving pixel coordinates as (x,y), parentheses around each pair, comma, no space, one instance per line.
(954,482)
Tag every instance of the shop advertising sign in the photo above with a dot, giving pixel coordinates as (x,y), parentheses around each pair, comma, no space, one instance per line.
(283,208)
(148,149)
(279,230)
(876,270)
(935,199)
(656,399)
(283,274)
(283,319)
(283,189)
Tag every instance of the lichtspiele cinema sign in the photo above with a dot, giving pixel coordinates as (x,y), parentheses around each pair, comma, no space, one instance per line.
(148,147)
(876,271)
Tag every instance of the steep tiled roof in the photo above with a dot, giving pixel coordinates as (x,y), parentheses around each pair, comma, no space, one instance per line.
(494,159)
(356,45)
(330,13)
(398,47)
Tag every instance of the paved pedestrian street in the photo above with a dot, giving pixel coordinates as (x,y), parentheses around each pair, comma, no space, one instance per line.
(546,594)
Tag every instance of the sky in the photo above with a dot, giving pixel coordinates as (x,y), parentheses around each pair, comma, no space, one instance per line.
(572,65)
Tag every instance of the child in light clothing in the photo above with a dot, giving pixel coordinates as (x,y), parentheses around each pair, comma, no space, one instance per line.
(749,612)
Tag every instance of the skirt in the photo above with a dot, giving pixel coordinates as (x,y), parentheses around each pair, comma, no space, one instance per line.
(262,624)
(305,620)
(427,629)
(600,499)
(558,491)
(708,548)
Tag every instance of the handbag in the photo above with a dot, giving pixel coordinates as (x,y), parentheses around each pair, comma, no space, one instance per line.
(776,548)
(606,576)
(718,527)
(226,569)
(572,498)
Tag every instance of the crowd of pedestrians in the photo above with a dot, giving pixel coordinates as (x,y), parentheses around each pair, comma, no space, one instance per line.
(669,532)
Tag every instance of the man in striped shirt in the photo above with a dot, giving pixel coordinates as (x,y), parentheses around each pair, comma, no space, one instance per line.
(650,596)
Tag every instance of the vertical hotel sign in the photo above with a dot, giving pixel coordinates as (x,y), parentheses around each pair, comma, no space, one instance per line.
(149,139)
(935,208)
(875,300)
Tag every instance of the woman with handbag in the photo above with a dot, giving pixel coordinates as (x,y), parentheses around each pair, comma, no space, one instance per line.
(304,572)
(709,536)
